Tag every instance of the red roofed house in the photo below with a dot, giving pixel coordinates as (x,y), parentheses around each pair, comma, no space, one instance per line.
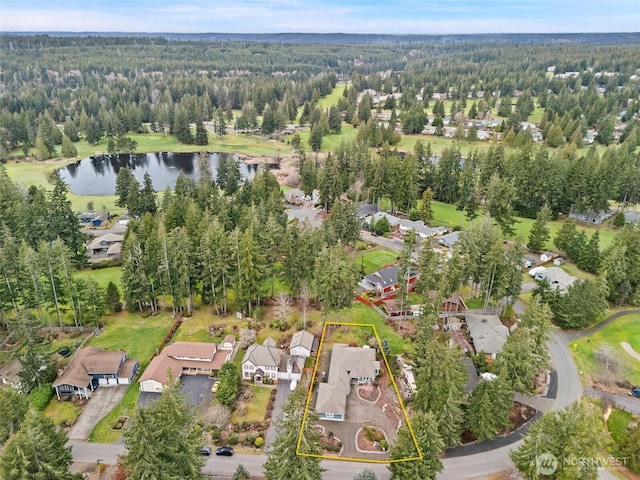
(180,358)
(91,367)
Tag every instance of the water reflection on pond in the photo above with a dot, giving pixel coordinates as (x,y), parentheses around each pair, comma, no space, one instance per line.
(97,175)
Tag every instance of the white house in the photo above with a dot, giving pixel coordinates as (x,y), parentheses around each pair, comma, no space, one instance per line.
(267,361)
(303,344)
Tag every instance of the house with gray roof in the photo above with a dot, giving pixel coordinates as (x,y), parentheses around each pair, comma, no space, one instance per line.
(450,239)
(595,218)
(347,365)
(557,278)
(303,344)
(632,217)
(268,361)
(487,332)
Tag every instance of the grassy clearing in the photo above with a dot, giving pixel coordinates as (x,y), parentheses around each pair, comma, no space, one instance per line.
(62,412)
(256,408)
(102,276)
(196,328)
(617,424)
(359,313)
(625,329)
(134,334)
(375,259)
(332,98)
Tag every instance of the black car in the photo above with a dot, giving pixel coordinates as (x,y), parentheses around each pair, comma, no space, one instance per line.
(206,451)
(635,392)
(225,451)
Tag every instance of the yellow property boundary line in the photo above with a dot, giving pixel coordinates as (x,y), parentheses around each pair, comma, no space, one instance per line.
(395,388)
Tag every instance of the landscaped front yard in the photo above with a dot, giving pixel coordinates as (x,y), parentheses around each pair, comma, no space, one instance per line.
(255,408)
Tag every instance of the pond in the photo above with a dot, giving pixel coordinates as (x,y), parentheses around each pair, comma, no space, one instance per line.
(97,175)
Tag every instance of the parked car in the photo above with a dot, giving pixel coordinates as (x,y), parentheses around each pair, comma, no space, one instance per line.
(215,387)
(206,451)
(635,392)
(224,451)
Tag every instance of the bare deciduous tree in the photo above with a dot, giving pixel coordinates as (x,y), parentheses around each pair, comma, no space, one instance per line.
(283,306)
(305,299)
(247,337)
(613,367)
(218,415)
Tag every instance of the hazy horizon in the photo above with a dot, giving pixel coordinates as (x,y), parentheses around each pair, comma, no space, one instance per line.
(403,17)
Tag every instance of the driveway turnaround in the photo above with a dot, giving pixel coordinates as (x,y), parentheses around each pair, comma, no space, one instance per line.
(197,389)
(102,401)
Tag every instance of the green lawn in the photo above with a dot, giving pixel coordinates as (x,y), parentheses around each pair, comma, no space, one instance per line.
(256,408)
(625,329)
(374,259)
(137,336)
(102,276)
(196,328)
(617,424)
(332,98)
(62,412)
(360,313)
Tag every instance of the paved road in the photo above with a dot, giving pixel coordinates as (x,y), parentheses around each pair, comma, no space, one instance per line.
(627,402)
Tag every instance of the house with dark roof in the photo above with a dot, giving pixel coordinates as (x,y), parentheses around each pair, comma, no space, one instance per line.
(347,365)
(96,219)
(595,218)
(193,358)
(385,281)
(92,367)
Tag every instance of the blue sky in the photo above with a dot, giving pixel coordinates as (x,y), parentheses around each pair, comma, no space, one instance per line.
(322,16)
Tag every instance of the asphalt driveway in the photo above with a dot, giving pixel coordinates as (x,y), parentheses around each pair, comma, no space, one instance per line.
(197,389)
(102,401)
(282,393)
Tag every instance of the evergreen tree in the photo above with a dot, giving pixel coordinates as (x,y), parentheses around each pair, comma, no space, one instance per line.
(425,427)
(147,200)
(589,257)
(13,408)
(37,451)
(241,473)
(315,139)
(112,297)
(571,436)
(181,128)
(124,180)
(426,211)
(487,411)
(164,439)
(335,119)
(229,384)
(69,150)
(335,276)
(441,377)
(539,233)
(202,137)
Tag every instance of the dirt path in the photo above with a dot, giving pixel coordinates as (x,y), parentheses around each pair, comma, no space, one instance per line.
(629,349)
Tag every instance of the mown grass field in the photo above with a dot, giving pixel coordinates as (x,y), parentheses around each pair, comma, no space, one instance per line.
(61,412)
(374,259)
(624,329)
(102,276)
(617,424)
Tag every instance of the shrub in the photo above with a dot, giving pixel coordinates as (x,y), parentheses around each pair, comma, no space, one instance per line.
(249,438)
(384,445)
(215,434)
(258,442)
(40,397)
(619,220)
(233,438)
